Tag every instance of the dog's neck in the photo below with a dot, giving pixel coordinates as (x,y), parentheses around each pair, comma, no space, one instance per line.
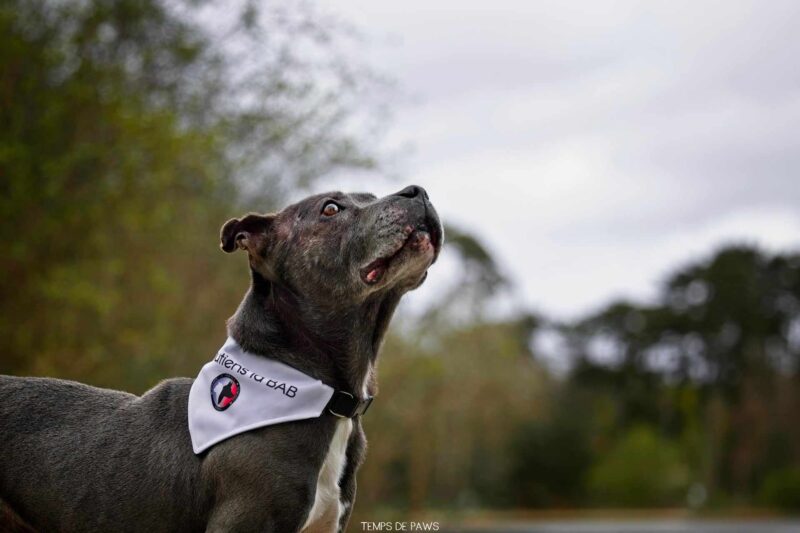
(338,346)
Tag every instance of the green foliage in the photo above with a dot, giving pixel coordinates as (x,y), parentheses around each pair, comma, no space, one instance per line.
(550,463)
(613,434)
(781,489)
(130,134)
(447,414)
(641,470)
(713,364)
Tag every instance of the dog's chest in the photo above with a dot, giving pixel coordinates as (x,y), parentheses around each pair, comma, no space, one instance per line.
(327,508)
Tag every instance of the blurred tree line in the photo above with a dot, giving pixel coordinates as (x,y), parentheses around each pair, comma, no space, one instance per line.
(130,132)
(131,129)
(711,373)
(689,402)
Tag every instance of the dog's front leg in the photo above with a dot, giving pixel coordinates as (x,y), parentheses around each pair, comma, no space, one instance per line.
(356,449)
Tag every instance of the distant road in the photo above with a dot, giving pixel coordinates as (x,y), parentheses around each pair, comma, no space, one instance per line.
(636,526)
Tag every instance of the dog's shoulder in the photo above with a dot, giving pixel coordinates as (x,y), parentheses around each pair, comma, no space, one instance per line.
(169,390)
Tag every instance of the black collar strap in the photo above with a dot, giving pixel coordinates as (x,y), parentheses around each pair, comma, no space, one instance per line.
(345,405)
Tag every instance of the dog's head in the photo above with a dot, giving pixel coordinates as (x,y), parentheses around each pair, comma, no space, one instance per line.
(339,246)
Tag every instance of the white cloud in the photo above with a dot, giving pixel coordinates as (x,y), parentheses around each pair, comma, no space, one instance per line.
(595,146)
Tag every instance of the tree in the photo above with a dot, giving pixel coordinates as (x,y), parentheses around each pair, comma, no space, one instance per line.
(725,332)
(131,131)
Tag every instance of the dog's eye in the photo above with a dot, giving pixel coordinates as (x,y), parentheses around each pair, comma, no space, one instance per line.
(330,209)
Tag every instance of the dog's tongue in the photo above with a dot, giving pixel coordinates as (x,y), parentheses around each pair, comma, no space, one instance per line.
(375,273)
(372,275)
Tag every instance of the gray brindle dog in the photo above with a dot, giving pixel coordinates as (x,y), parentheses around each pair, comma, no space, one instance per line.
(327,274)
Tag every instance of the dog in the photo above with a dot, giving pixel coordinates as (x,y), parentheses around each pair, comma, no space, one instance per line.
(327,274)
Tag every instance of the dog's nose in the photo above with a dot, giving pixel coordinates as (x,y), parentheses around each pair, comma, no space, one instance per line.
(413,191)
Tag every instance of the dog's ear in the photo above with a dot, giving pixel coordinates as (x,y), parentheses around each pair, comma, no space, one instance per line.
(246,233)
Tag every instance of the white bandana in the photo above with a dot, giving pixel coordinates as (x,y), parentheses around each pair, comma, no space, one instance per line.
(239,391)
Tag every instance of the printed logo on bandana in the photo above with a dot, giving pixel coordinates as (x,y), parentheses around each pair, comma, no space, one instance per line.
(224,391)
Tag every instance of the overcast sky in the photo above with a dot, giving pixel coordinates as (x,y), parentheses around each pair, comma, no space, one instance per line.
(595,146)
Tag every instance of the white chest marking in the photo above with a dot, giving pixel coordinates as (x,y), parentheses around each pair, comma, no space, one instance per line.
(327,508)
(365,383)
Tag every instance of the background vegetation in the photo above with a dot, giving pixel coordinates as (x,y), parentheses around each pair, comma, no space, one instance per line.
(132,128)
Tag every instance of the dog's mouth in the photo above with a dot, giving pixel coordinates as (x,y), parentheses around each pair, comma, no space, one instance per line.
(423,239)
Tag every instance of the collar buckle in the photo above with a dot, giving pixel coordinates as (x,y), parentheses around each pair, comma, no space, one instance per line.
(345,405)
